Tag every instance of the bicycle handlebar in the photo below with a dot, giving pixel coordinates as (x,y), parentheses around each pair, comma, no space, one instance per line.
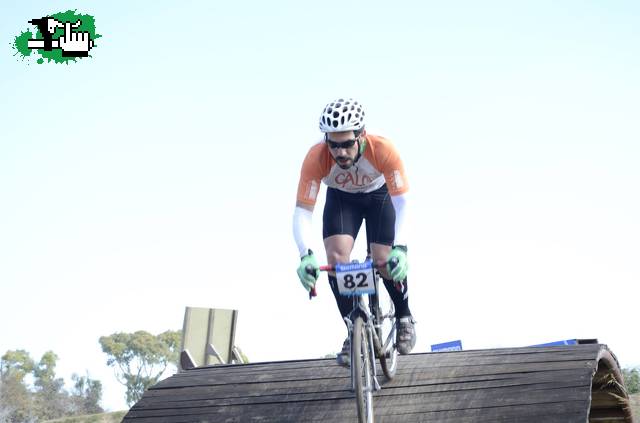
(330,268)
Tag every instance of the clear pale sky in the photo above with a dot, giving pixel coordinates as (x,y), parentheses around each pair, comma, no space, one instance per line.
(161,173)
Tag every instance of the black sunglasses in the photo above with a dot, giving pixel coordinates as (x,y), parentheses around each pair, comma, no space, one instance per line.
(344,144)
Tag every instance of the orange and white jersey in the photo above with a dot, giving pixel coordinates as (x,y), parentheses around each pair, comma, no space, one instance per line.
(378,164)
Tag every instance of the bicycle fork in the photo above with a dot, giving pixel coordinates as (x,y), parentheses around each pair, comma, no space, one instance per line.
(350,329)
(372,354)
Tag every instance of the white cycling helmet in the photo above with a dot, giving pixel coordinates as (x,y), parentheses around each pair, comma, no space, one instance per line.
(342,115)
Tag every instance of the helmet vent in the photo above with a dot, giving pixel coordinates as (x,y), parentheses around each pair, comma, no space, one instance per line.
(344,114)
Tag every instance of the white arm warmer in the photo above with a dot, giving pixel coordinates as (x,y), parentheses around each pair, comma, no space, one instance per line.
(302,229)
(399,204)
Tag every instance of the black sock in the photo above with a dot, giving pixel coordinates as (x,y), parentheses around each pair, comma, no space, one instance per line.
(398,291)
(345,304)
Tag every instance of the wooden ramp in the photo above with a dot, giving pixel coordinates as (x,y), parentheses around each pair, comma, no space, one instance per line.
(579,383)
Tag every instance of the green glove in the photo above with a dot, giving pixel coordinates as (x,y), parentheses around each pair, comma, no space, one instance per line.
(397,264)
(308,271)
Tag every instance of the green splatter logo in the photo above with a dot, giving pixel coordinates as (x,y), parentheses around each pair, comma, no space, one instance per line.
(62,37)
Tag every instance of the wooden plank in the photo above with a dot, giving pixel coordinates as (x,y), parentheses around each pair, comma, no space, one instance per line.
(408,402)
(274,390)
(193,399)
(406,372)
(438,359)
(426,359)
(524,385)
(459,357)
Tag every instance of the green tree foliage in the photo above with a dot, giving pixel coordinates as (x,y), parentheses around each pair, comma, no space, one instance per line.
(16,400)
(631,380)
(45,371)
(140,358)
(50,397)
(17,363)
(30,391)
(86,394)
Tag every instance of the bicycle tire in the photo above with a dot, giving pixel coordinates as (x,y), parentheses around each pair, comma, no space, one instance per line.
(389,356)
(361,371)
(385,328)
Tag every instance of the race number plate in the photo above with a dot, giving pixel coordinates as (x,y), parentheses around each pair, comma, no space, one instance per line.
(355,278)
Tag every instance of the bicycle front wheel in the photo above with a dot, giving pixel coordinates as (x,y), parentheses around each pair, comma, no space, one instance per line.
(361,362)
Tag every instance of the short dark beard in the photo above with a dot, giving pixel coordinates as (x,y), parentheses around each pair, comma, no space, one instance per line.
(348,166)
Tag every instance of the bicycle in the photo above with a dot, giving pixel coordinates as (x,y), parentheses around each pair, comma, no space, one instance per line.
(367,325)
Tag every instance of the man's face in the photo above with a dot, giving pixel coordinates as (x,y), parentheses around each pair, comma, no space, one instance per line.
(343,147)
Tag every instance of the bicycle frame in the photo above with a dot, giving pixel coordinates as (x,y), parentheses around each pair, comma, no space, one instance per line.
(366,319)
(372,311)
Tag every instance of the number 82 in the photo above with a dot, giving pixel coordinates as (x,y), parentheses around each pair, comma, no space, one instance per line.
(350,283)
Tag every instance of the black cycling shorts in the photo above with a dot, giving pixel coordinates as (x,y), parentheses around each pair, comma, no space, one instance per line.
(343,214)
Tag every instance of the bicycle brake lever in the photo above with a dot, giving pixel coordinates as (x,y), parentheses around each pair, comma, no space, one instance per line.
(309,269)
(393,263)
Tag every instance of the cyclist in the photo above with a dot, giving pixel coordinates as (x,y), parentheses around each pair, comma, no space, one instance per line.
(365,179)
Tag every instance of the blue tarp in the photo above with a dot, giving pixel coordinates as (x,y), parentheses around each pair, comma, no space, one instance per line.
(558,343)
(447,346)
